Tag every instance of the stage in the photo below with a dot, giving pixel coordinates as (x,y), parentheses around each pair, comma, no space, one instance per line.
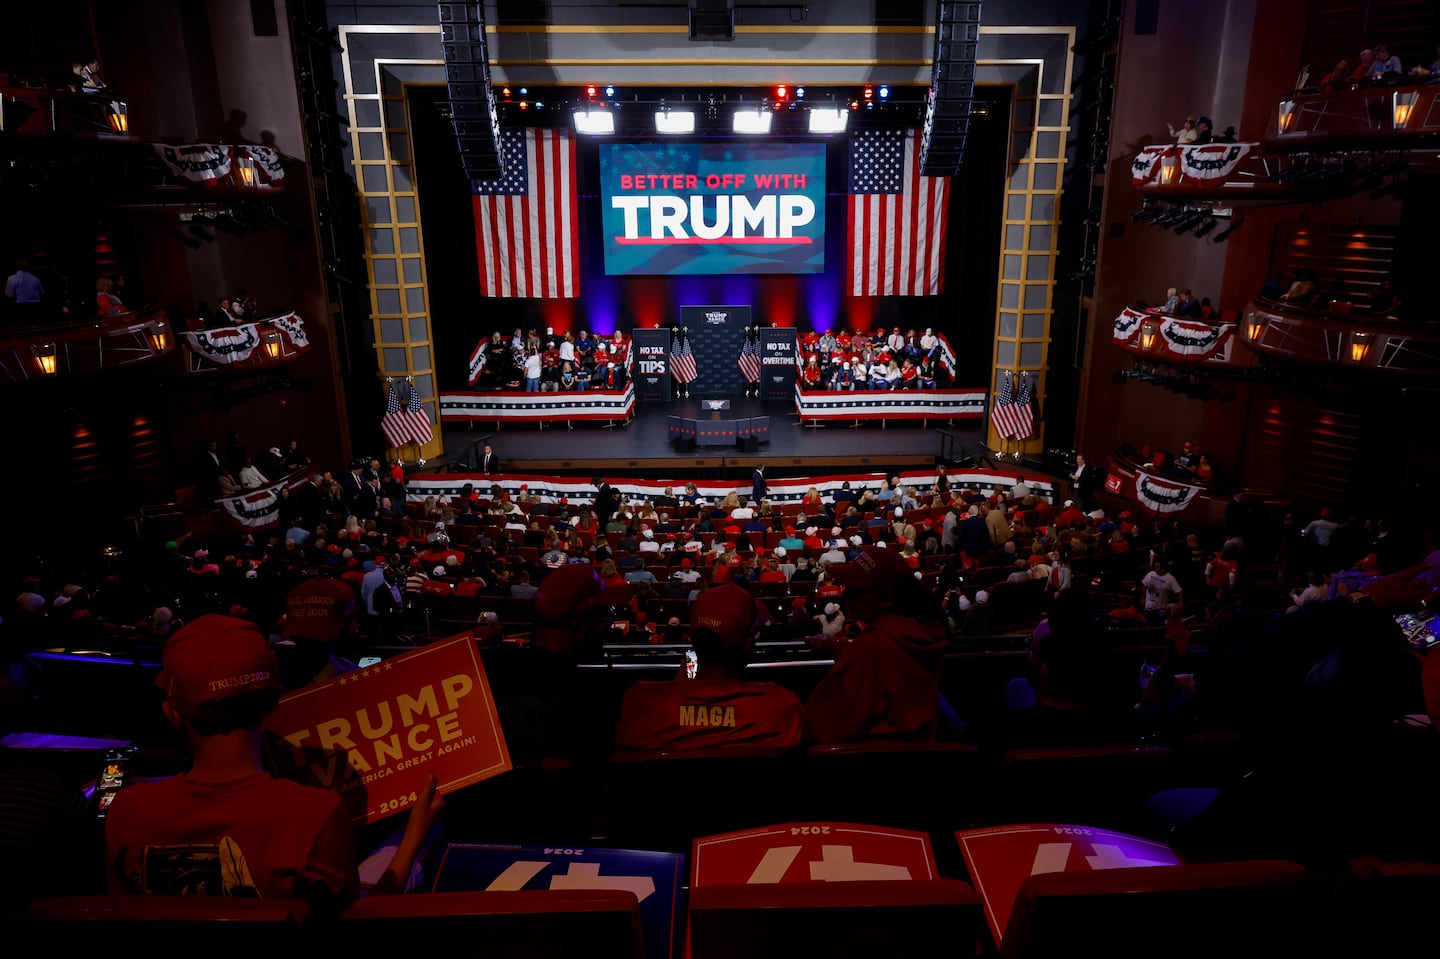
(641,445)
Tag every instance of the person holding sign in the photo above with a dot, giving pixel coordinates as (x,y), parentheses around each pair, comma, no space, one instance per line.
(227,827)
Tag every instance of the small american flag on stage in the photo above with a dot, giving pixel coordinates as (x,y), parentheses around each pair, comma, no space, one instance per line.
(897,217)
(682,361)
(1024,419)
(750,361)
(407,423)
(527,222)
(1003,414)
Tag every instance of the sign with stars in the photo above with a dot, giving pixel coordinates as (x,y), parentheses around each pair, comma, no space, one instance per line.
(374,735)
(723,207)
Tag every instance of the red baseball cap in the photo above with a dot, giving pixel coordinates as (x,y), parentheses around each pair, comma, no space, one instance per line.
(319,609)
(214,658)
(729,612)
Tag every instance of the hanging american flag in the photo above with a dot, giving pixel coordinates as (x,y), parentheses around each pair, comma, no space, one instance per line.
(750,360)
(897,217)
(1002,415)
(405,423)
(477,360)
(682,361)
(1024,419)
(527,222)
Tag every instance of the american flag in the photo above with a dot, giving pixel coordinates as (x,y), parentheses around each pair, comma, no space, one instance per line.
(897,217)
(1002,416)
(682,361)
(750,361)
(408,423)
(477,360)
(527,222)
(1024,420)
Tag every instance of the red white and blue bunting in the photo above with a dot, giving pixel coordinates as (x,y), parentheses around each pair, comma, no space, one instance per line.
(1163,495)
(889,404)
(232,345)
(586,405)
(1208,164)
(1127,325)
(260,508)
(212,163)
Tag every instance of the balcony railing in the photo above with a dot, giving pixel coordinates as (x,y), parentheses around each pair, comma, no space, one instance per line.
(40,111)
(96,344)
(1338,337)
(1177,340)
(264,344)
(1402,114)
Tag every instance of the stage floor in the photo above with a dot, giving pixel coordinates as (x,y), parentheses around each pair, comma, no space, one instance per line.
(644,443)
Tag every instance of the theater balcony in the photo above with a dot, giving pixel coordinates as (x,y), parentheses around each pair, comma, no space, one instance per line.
(35,111)
(1402,115)
(1341,335)
(1175,340)
(266,344)
(85,347)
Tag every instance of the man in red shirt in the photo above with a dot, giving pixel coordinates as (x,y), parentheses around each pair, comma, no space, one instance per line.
(717,707)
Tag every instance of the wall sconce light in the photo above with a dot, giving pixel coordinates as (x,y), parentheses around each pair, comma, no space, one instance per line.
(1169,168)
(45,356)
(119,116)
(271,342)
(159,334)
(1147,334)
(1360,346)
(1285,117)
(245,168)
(1402,105)
(1254,327)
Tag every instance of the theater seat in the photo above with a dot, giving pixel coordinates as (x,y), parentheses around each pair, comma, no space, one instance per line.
(836,920)
(1227,909)
(940,782)
(1387,907)
(663,800)
(1095,785)
(111,924)
(525,924)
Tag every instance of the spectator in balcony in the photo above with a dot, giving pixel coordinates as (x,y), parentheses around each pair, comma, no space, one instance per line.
(91,80)
(1172,300)
(1337,78)
(107,303)
(1204,131)
(251,477)
(24,290)
(1186,133)
(1386,64)
(1435,66)
(224,314)
(1366,65)
(1188,306)
(1302,287)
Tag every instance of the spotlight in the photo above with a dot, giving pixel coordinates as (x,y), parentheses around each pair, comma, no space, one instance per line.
(781,92)
(1224,234)
(505,92)
(884,92)
(750,121)
(590,91)
(609,91)
(869,92)
(828,119)
(1210,224)
(799,93)
(594,121)
(524,92)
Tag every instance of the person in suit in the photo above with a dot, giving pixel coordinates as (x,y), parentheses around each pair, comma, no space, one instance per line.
(757,484)
(606,501)
(489,461)
(1082,483)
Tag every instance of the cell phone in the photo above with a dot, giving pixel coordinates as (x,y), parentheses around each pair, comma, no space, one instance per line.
(368,661)
(1422,628)
(692,664)
(115,772)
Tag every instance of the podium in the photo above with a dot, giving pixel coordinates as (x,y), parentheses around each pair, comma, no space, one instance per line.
(715,431)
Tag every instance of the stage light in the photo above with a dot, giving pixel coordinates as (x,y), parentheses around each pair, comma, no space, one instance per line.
(674,121)
(854,104)
(869,92)
(598,122)
(750,121)
(1204,228)
(524,92)
(799,93)
(505,92)
(781,91)
(828,120)
(589,91)
(609,91)
(524,105)
(1224,234)
(884,92)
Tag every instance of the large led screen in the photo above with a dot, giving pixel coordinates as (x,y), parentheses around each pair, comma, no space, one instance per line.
(723,207)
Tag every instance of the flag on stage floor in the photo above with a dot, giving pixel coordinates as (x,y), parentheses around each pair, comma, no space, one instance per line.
(527,222)
(750,360)
(405,423)
(1003,413)
(1024,418)
(897,217)
(682,360)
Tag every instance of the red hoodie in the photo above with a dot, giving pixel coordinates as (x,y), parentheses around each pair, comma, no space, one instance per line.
(884,685)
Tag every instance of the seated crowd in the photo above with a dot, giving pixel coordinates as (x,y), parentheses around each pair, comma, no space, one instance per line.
(1305,289)
(882,361)
(881,579)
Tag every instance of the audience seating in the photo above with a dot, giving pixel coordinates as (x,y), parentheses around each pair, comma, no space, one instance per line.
(1259,908)
(216,925)
(534,805)
(662,800)
(525,924)
(929,917)
(1387,907)
(1102,786)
